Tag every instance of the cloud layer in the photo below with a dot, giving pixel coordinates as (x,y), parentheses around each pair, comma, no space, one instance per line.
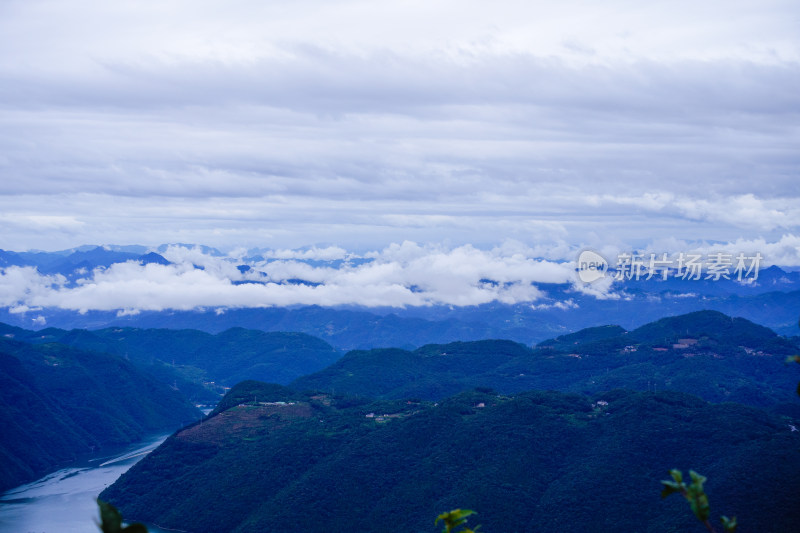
(265,124)
(400,275)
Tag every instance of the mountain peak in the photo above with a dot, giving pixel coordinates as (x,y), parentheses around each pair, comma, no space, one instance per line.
(707,323)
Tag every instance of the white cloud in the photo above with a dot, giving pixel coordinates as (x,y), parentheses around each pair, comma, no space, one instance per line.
(564,306)
(601,289)
(328,253)
(746,211)
(400,275)
(783,252)
(21,285)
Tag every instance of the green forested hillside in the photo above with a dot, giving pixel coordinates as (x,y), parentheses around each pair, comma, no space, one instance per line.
(714,325)
(708,354)
(57,403)
(583,336)
(30,422)
(536,461)
(187,359)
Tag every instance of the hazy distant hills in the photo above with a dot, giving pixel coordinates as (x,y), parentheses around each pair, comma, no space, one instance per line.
(58,402)
(68,262)
(363,329)
(189,358)
(274,460)
(705,353)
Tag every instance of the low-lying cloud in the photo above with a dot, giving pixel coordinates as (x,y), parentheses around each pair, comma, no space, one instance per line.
(401,275)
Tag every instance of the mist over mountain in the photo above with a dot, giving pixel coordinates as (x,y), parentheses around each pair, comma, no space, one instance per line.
(404,296)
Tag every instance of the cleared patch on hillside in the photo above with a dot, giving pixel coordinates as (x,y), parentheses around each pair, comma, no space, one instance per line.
(245,422)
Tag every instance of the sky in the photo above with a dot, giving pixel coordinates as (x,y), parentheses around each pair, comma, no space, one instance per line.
(362,125)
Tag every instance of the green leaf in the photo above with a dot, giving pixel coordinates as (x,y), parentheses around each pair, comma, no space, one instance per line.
(110,519)
(670,487)
(696,496)
(453,519)
(699,504)
(697,479)
(698,500)
(728,524)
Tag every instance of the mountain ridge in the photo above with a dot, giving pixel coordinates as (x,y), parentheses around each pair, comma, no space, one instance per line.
(59,403)
(547,461)
(731,359)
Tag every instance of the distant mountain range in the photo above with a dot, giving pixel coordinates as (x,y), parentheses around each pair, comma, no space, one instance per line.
(70,262)
(774,301)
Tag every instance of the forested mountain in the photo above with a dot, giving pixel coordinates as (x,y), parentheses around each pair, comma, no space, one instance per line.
(187,359)
(58,402)
(274,460)
(517,456)
(706,353)
(364,328)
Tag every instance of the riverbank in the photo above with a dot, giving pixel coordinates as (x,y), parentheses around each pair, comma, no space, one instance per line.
(64,501)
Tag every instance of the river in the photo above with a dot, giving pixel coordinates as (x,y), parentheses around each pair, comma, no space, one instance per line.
(64,501)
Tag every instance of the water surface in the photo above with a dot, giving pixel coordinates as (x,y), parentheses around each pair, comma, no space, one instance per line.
(64,501)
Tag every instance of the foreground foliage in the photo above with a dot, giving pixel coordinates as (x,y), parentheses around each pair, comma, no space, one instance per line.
(111,520)
(456,519)
(697,498)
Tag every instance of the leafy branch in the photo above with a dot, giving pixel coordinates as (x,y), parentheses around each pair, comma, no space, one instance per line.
(698,500)
(111,520)
(455,519)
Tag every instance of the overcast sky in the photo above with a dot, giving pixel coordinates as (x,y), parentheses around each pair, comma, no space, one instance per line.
(361,124)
